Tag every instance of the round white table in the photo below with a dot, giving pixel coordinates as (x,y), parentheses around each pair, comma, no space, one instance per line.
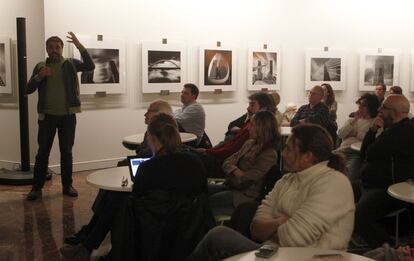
(111,179)
(403,191)
(356,146)
(136,139)
(300,254)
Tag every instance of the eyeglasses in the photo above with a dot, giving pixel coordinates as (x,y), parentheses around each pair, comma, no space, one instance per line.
(384,107)
(315,93)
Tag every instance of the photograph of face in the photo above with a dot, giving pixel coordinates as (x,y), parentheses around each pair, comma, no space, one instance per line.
(106,67)
(264,68)
(164,67)
(325,69)
(2,65)
(379,69)
(217,67)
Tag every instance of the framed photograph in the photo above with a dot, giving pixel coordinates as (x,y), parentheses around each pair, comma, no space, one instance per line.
(217,69)
(5,66)
(109,73)
(325,67)
(376,68)
(164,67)
(263,69)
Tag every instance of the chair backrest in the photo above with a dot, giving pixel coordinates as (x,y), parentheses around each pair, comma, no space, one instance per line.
(273,175)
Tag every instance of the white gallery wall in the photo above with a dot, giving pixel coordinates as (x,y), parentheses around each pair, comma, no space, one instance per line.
(33,11)
(292,26)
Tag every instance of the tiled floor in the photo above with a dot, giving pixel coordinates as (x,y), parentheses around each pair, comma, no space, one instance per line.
(35,230)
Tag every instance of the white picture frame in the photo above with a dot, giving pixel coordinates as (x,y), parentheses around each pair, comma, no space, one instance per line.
(263,69)
(213,77)
(164,67)
(5,67)
(376,67)
(109,58)
(325,67)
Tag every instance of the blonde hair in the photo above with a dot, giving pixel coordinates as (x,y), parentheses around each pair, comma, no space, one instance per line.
(165,129)
(163,107)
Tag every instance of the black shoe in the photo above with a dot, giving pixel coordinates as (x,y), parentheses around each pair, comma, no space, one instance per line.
(34,194)
(70,191)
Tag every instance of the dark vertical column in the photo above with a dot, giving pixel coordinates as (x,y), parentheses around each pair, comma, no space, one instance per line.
(23,104)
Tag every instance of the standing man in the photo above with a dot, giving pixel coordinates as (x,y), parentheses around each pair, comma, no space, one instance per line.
(58,89)
(380,90)
(191,116)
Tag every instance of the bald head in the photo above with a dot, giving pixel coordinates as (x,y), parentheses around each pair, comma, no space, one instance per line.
(394,109)
(398,103)
(315,95)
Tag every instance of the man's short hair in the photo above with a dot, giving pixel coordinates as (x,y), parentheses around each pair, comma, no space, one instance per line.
(264,100)
(54,39)
(396,90)
(384,87)
(193,88)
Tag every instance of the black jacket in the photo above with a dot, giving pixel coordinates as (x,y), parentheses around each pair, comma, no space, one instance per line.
(393,149)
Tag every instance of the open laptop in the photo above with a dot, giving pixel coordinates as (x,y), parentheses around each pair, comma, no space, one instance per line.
(133,164)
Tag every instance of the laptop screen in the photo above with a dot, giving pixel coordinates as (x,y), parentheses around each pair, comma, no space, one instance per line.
(133,163)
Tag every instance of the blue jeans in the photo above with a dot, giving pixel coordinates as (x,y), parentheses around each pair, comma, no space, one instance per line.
(65,125)
(222,242)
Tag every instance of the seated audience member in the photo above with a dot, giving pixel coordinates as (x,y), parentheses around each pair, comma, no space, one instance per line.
(312,206)
(235,126)
(288,114)
(380,91)
(354,130)
(191,116)
(157,106)
(315,112)
(387,159)
(170,169)
(330,102)
(257,102)
(396,90)
(245,169)
(278,114)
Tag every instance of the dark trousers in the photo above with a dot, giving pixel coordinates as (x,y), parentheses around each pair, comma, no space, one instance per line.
(65,125)
(371,208)
(107,212)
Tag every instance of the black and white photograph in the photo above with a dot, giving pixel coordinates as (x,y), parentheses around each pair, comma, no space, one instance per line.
(108,55)
(106,67)
(164,66)
(325,69)
(264,68)
(2,66)
(378,67)
(5,66)
(217,67)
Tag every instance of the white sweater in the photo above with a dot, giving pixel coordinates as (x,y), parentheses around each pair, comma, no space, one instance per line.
(320,203)
(351,133)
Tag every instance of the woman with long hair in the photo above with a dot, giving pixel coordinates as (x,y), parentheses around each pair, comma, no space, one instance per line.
(329,100)
(170,170)
(311,206)
(245,169)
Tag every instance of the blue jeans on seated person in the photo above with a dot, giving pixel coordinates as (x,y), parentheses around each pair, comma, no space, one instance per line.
(222,242)
(220,200)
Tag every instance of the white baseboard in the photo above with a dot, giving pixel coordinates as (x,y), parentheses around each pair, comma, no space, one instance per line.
(77,166)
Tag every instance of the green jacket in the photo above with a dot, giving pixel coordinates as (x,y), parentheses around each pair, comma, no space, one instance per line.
(70,68)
